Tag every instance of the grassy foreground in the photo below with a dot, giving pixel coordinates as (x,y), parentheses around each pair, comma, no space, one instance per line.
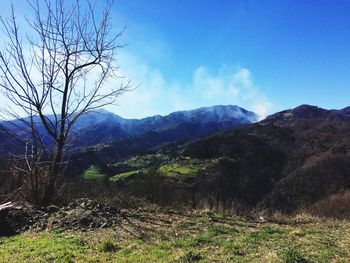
(199,237)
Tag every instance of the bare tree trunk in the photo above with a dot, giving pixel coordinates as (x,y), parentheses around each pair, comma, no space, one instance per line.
(73,50)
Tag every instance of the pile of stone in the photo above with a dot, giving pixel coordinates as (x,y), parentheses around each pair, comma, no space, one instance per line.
(20,218)
(81,214)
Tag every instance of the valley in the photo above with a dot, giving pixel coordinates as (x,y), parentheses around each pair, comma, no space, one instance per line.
(275,188)
(174,131)
(287,162)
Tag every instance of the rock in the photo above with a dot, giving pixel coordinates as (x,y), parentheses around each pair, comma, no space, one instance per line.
(80,214)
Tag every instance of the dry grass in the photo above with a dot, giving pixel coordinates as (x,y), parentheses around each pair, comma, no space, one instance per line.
(153,236)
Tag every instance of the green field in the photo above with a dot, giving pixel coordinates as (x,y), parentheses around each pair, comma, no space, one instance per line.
(175,169)
(179,237)
(123,176)
(164,164)
(93,173)
(145,161)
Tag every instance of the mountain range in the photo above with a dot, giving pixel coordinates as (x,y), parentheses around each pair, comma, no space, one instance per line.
(291,160)
(102,127)
(182,124)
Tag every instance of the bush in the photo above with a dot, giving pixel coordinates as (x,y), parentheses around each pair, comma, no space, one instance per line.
(52,208)
(293,256)
(108,246)
(192,257)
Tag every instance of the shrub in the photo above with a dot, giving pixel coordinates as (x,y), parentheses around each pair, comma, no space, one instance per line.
(191,257)
(108,246)
(52,208)
(293,256)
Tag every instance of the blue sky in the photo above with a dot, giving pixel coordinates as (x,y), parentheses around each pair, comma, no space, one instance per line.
(264,55)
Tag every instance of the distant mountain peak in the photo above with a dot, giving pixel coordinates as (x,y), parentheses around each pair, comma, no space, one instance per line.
(308,112)
(216,112)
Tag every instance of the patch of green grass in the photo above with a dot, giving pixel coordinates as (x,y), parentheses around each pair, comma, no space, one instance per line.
(93,173)
(41,248)
(175,169)
(58,230)
(122,176)
(292,255)
(267,232)
(191,256)
(222,230)
(136,162)
(108,246)
(191,238)
(145,161)
(194,241)
(165,164)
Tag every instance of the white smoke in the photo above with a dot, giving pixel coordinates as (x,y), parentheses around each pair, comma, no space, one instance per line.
(157,95)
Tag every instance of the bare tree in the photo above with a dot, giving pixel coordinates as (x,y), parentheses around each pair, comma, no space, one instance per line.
(54,74)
